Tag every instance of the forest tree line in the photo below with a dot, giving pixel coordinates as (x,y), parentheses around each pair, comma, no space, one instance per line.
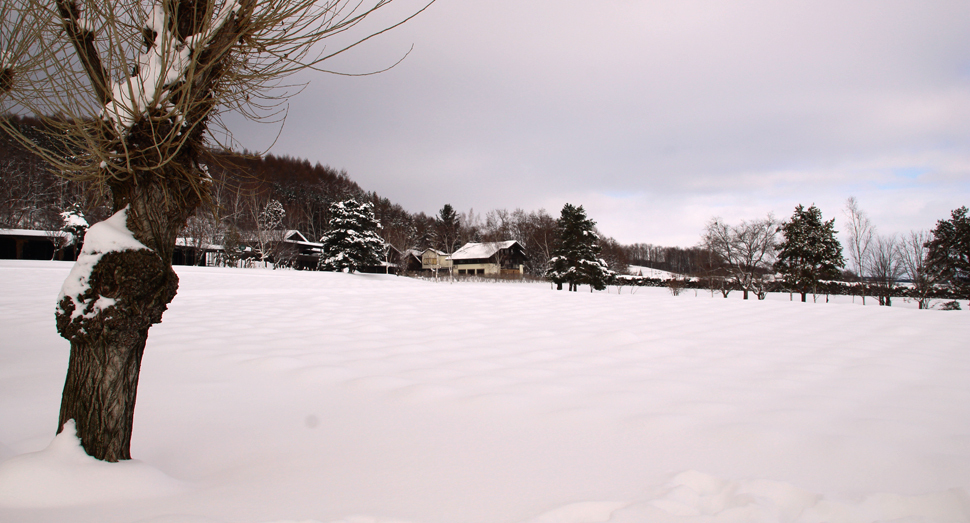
(244,184)
(729,257)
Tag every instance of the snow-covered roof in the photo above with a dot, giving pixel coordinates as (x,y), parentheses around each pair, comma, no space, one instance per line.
(294,235)
(31,233)
(474,251)
(436,251)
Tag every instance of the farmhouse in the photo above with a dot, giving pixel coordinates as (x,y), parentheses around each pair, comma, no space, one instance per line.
(491,258)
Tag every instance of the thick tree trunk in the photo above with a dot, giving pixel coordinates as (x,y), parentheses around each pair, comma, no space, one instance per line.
(127,292)
(107,346)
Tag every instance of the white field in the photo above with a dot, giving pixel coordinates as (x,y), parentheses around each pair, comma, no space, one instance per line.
(272,396)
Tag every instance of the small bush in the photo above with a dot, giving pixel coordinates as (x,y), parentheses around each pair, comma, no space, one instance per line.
(676,286)
(950,306)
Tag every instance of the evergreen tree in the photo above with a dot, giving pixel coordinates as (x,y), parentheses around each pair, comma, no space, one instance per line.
(352,242)
(949,252)
(446,229)
(810,252)
(576,257)
(75,224)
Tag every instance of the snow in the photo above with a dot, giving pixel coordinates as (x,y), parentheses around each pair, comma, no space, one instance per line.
(648,272)
(270,396)
(167,62)
(63,475)
(73,219)
(103,237)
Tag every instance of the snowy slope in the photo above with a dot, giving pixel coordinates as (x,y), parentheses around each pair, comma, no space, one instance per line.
(270,396)
(648,272)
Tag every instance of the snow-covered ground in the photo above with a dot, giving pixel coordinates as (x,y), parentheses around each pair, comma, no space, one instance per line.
(270,396)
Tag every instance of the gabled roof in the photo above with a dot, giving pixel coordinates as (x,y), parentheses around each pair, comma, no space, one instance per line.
(294,235)
(436,251)
(475,251)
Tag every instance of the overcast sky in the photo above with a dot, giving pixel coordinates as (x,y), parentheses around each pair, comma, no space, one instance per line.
(655,115)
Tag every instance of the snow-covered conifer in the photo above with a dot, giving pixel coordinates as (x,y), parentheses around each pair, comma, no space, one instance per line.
(810,251)
(576,258)
(949,252)
(74,224)
(352,242)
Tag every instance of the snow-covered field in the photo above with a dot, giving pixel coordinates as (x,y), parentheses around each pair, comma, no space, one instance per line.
(271,396)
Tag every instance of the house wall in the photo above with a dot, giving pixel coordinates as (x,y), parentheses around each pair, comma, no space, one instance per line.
(430,258)
(482,269)
(476,268)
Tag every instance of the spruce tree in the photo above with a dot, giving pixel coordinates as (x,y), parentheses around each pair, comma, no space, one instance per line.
(810,252)
(447,227)
(576,257)
(352,242)
(949,252)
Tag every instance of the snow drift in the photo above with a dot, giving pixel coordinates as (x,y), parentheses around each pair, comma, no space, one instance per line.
(271,396)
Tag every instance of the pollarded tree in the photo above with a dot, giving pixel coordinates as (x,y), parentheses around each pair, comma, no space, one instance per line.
(135,86)
(576,259)
(949,252)
(810,251)
(352,242)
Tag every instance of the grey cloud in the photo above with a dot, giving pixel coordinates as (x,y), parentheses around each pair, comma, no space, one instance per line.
(699,106)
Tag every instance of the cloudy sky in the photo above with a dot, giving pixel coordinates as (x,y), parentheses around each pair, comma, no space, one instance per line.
(655,115)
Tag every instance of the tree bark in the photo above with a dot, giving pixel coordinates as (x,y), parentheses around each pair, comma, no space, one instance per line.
(107,343)
(107,347)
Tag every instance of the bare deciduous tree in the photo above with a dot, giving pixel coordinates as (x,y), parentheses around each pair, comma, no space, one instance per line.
(861,236)
(913,251)
(886,267)
(747,249)
(137,86)
(269,233)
